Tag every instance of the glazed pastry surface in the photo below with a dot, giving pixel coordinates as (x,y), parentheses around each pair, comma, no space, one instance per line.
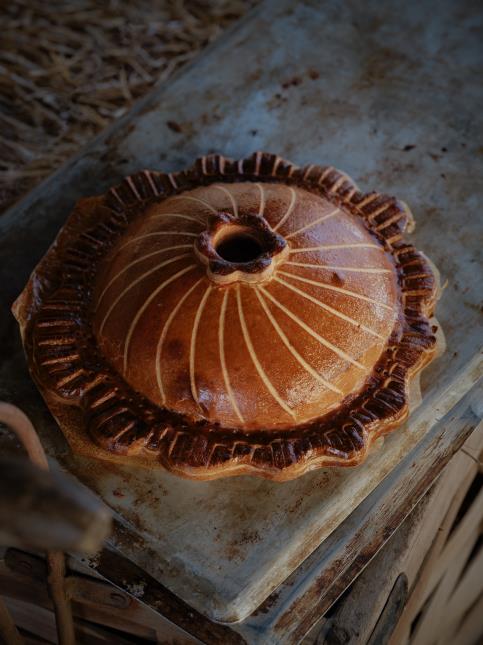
(239,317)
(258,349)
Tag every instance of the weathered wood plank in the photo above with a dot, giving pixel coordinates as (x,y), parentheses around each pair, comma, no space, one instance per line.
(328,572)
(417,543)
(471,629)
(8,631)
(41,622)
(450,491)
(465,596)
(429,625)
(22,577)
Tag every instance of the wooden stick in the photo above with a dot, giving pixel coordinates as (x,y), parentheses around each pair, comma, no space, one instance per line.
(20,424)
(8,631)
(62,608)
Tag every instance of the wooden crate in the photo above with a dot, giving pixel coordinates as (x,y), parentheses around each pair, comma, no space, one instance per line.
(445,603)
(102,613)
(425,586)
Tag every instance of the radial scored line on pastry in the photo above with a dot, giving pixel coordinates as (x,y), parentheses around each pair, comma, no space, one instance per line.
(162,337)
(136,261)
(328,308)
(133,188)
(308,170)
(197,199)
(230,196)
(314,223)
(178,215)
(326,172)
(221,343)
(338,183)
(314,334)
(70,377)
(330,267)
(292,349)
(256,362)
(288,212)
(261,208)
(329,247)
(114,192)
(136,281)
(367,200)
(194,333)
(67,340)
(146,304)
(331,287)
(68,358)
(153,186)
(155,234)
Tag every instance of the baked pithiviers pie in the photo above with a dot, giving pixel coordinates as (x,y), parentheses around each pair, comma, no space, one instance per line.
(242,316)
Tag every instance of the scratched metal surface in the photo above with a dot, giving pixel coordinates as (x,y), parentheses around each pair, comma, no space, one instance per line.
(387,92)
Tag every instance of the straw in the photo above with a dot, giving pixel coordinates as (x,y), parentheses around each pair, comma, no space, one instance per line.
(68,68)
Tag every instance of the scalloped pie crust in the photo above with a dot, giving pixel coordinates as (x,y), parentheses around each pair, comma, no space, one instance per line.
(239,317)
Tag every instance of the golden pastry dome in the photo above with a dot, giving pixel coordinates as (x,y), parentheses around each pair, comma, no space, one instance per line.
(238,317)
(252,305)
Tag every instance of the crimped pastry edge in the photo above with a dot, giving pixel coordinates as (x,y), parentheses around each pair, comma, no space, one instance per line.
(384,216)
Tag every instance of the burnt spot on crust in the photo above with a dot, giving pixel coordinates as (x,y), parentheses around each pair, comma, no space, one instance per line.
(66,361)
(337,278)
(175,348)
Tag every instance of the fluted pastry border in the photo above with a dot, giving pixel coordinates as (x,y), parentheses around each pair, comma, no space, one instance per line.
(87,396)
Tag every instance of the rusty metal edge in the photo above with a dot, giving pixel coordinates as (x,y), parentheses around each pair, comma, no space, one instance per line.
(296,606)
(292,610)
(116,569)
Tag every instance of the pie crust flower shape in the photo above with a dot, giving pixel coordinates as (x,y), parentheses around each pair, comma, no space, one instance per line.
(239,317)
(240,249)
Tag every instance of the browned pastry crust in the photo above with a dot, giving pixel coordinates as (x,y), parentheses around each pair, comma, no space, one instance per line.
(92,401)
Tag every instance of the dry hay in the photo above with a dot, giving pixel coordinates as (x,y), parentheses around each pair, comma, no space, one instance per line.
(68,68)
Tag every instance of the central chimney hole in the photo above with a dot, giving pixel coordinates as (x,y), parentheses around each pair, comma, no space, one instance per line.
(239,247)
